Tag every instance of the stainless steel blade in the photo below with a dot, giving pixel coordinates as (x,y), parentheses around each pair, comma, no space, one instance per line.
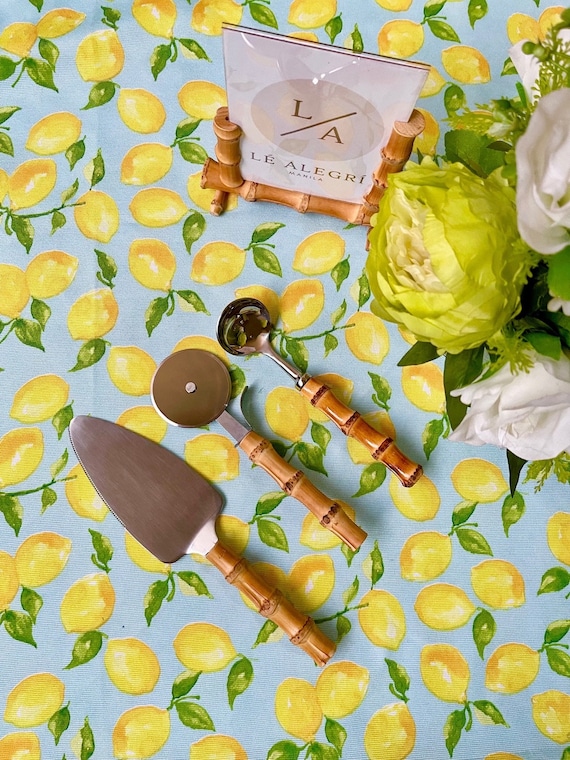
(165,504)
(233,426)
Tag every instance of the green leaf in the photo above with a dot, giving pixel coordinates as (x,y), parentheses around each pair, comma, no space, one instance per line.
(59,723)
(454,99)
(100,94)
(75,153)
(400,679)
(343,627)
(311,456)
(433,7)
(431,435)
(239,679)
(31,603)
(333,28)
(192,152)
(186,127)
(153,599)
(284,750)
(338,314)
(103,550)
(58,220)
(194,716)
(107,267)
(262,14)
(559,274)
(266,260)
(90,353)
(7,67)
(110,18)
(472,150)
(49,498)
(460,370)
(559,661)
(6,144)
(330,343)
(376,564)
(490,711)
(266,631)
(12,510)
(442,30)
(363,292)
(336,734)
(193,580)
(29,333)
(452,730)
(193,300)
(184,683)
(554,579)
(272,535)
(473,541)
(19,626)
(269,502)
(476,10)
(24,230)
(87,741)
(61,420)
(371,478)
(484,629)
(556,631)
(193,229)
(512,511)
(420,353)
(320,435)
(265,231)
(40,311)
(158,59)
(509,68)
(566,754)
(238,379)
(351,591)
(356,39)
(462,512)
(6,112)
(545,344)
(98,169)
(154,313)
(340,272)
(48,51)
(86,647)
(40,72)
(320,751)
(194,47)
(59,464)
(382,391)
(68,194)
(298,352)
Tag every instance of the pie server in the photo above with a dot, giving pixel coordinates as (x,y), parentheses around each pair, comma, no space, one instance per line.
(171,510)
(192,388)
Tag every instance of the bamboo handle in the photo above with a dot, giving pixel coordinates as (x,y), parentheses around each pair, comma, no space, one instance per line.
(295,483)
(353,425)
(271,603)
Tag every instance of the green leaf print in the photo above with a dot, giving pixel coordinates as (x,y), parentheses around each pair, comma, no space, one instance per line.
(86,647)
(239,679)
(59,723)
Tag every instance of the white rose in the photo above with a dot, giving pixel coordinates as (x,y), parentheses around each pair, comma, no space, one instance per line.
(543,175)
(527,413)
(528,66)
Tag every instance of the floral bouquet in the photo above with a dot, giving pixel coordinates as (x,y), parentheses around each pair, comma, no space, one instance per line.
(470,253)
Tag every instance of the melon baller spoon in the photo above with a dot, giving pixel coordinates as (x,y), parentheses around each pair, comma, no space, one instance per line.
(244,328)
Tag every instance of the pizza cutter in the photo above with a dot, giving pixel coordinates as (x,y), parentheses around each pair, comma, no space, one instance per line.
(245,328)
(192,388)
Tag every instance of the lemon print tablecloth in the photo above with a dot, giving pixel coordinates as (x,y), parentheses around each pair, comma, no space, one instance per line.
(452,621)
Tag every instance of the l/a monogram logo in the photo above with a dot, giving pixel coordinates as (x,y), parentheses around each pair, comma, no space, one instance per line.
(332,132)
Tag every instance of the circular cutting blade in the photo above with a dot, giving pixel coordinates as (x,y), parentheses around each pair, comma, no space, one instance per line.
(191,388)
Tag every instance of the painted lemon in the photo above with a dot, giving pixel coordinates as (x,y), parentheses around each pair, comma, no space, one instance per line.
(23,745)
(316,536)
(144,420)
(301,304)
(9,581)
(419,503)
(50,273)
(498,583)
(367,337)
(201,99)
(87,604)
(155,16)
(549,18)
(203,196)
(97,216)
(478,480)
(213,456)
(445,672)
(233,533)
(217,263)
(341,688)
(426,143)
(54,133)
(42,557)
(14,292)
(143,558)
(286,413)
(394,5)
(382,620)
(268,298)
(203,647)
(558,536)
(423,386)
(82,496)
(433,84)
(308,14)
(511,668)
(297,708)
(146,164)
(390,734)
(466,64)
(140,110)
(58,22)
(521,26)
(157,207)
(443,606)
(400,38)
(131,369)
(19,38)
(319,253)
(34,700)
(21,451)
(152,263)
(208,16)
(311,581)
(140,732)
(100,56)
(551,715)
(203,342)
(425,556)
(92,315)
(131,665)
(217,747)
(31,182)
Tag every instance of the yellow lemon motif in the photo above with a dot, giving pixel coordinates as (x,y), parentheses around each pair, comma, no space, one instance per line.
(140,732)
(131,665)
(558,536)
(426,143)
(9,581)
(58,22)
(551,715)
(433,84)
(423,386)
(146,163)
(394,5)
(316,536)
(521,26)
(201,99)
(548,18)
(308,14)
(203,647)
(131,369)
(311,581)
(19,38)
(341,687)
(342,388)
(400,38)
(4,182)
(92,315)
(203,196)
(390,734)
(31,182)
(233,533)
(100,56)
(498,583)
(152,263)
(21,451)
(88,603)
(208,16)
(144,420)
(203,342)
(466,64)
(41,558)
(23,745)
(445,672)
(82,496)
(273,575)
(49,273)
(213,456)
(511,668)
(97,216)
(381,422)
(419,503)
(157,207)
(140,110)
(310,37)
(425,556)
(367,337)
(34,700)
(217,747)
(14,292)
(382,620)
(301,304)
(443,606)
(479,480)
(319,253)
(502,756)
(297,708)
(217,263)
(143,558)
(54,133)
(155,16)
(286,413)
(268,298)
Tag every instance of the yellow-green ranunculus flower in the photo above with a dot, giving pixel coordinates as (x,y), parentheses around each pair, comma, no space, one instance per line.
(446,261)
